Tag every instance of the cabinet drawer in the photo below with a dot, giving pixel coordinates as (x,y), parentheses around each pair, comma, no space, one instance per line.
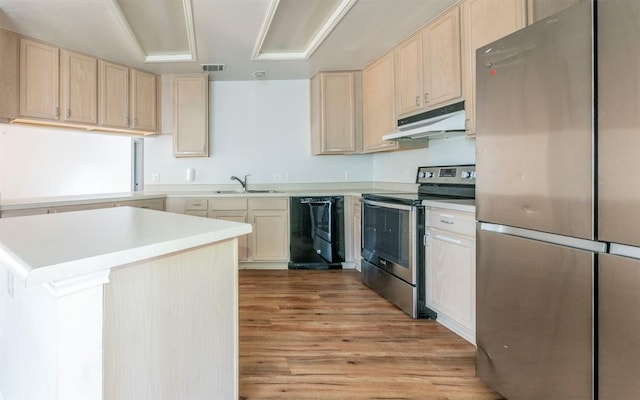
(269,203)
(197,213)
(227,203)
(196,204)
(453,221)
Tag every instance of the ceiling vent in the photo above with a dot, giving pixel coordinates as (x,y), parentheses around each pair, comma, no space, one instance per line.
(212,67)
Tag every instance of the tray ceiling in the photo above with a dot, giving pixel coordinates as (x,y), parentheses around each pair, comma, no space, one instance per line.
(281,37)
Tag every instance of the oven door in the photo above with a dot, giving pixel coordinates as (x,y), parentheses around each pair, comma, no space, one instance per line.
(389,238)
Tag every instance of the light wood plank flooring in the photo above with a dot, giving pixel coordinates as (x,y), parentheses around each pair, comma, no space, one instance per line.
(324,335)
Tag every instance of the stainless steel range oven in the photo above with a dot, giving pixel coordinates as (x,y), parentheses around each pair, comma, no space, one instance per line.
(393,232)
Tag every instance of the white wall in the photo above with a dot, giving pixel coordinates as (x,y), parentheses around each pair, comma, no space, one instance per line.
(38,162)
(259,128)
(401,166)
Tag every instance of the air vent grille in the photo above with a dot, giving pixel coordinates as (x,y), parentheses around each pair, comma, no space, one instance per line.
(213,67)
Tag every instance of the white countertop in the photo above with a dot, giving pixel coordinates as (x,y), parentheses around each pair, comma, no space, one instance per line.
(38,202)
(51,247)
(468,205)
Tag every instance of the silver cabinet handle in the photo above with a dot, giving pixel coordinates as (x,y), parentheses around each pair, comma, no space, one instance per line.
(57,112)
(68,112)
(444,221)
(426,98)
(417,100)
(449,240)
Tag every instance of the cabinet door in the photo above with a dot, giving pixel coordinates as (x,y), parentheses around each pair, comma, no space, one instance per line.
(113,95)
(541,9)
(451,277)
(190,116)
(143,101)
(78,87)
(39,79)
(379,117)
(408,66)
(441,63)
(270,237)
(235,216)
(333,113)
(9,75)
(485,21)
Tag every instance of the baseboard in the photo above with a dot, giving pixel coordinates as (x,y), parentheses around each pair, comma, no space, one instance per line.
(457,328)
(262,265)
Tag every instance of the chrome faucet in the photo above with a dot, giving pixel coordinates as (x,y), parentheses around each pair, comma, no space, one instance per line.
(242,182)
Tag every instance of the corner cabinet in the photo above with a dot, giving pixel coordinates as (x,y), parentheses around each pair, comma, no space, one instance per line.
(483,22)
(336,113)
(379,107)
(189,104)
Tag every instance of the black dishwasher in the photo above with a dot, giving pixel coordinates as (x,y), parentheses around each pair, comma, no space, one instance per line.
(317,232)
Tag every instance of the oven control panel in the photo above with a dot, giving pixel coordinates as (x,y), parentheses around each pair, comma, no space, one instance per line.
(458,174)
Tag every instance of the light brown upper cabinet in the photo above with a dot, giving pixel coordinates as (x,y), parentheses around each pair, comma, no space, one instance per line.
(39,80)
(483,22)
(9,73)
(190,115)
(113,92)
(127,98)
(144,103)
(442,66)
(378,107)
(46,85)
(336,113)
(428,66)
(78,87)
(541,9)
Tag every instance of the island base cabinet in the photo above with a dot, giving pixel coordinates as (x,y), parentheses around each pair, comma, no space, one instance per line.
(171,327)
(50,343)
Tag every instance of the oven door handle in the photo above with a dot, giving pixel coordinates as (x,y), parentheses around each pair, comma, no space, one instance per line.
(388,205)
(316,201)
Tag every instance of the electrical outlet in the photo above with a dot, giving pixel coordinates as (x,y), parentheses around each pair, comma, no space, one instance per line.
(288,176)
(155,178)
(347,175)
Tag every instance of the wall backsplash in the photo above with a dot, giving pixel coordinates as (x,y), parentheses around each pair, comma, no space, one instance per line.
(262,128)
(37,162)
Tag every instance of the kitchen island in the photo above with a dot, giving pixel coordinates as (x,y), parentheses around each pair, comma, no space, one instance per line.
(118,303)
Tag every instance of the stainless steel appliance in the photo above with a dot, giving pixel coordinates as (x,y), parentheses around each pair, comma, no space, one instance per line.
(316,232)
(556,316)
(393,229)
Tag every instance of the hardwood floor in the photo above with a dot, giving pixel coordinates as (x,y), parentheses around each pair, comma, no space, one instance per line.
(324,335)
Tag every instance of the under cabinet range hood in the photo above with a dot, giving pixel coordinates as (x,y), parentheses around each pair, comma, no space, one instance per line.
(434,123)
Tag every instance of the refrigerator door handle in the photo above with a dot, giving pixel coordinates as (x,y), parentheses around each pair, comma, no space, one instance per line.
(624,250)
(561,240)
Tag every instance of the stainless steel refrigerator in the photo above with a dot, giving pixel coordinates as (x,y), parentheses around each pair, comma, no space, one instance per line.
(558,317)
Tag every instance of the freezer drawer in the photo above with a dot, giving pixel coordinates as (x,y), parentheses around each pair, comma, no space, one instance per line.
(618,327)
(534,318)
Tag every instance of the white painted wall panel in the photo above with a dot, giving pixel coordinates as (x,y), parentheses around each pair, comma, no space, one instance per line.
(401,166)
(260,128)
(38,162)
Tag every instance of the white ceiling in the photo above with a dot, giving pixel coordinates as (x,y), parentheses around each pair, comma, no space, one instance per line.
(226,32)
